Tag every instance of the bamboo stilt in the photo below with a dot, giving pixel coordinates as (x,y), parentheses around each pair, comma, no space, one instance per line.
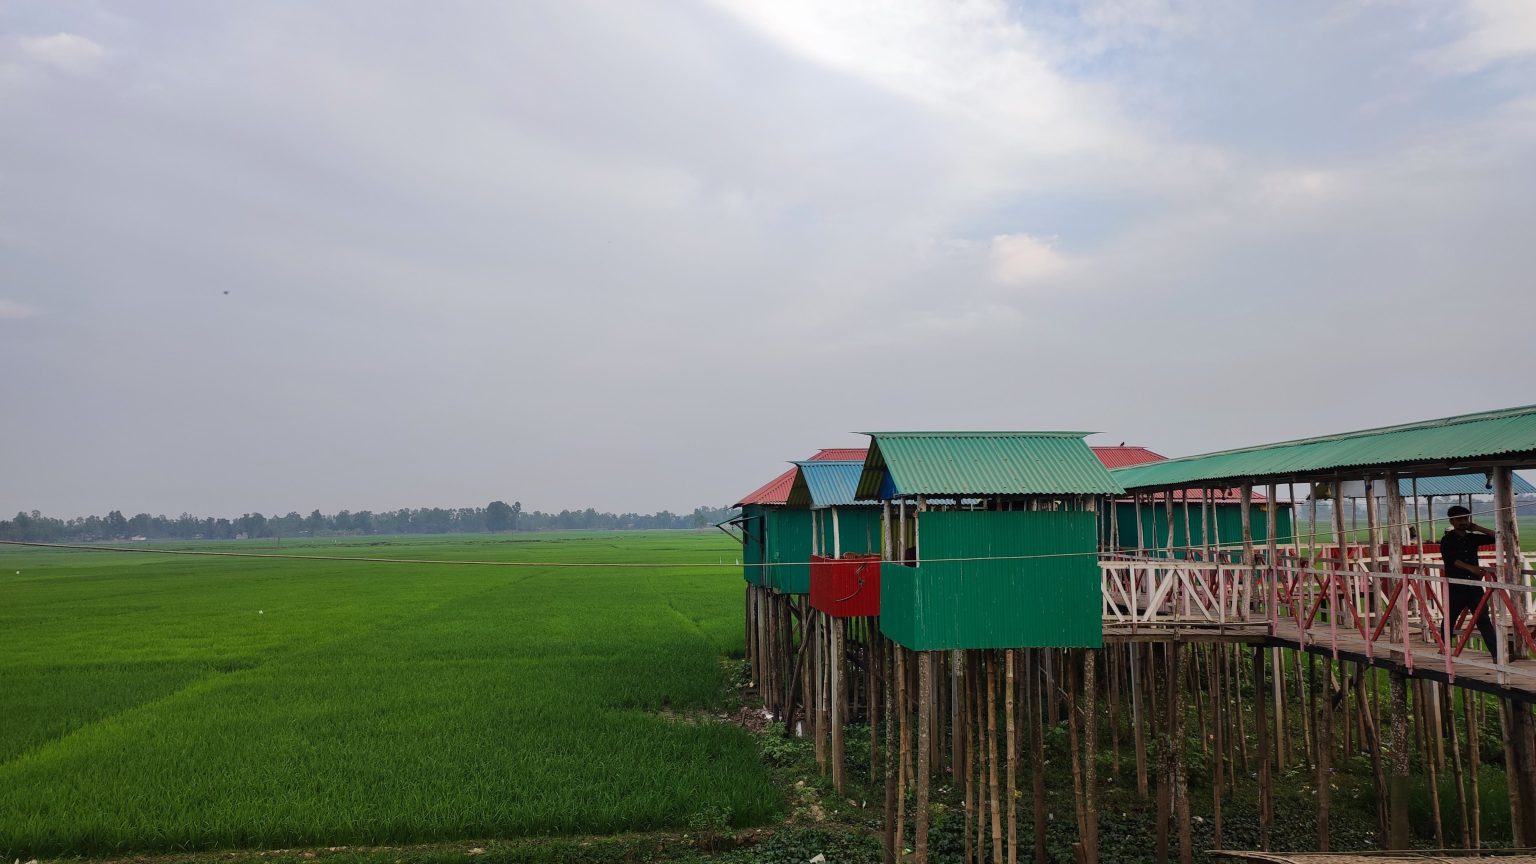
(892,701)
(1474,762)
(1037,751)
(1090,757)
(997,822)
(1324,760)
(924,754)
(1261,730)
(1459,781)
(1011,775)
(1398,793)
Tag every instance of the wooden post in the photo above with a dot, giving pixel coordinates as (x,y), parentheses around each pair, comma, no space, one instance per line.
(1090,758)
(1397,838)
(1448,717)
(1011,777)
(903,778)
(1422,706)
(1137,730)
(997,822)
(1162,692)
(957,724)
(1261,729)
(1395,518)
(1521,731)
(924,754)
(1074,752)
(1037,750)
(892,704)
(1324,756)
(1180,760)
(1474,767)
(1218,757)
(1245,501)
(1507,534)
(839,706)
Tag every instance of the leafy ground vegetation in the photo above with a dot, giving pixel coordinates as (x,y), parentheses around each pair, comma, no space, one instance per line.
(157,703)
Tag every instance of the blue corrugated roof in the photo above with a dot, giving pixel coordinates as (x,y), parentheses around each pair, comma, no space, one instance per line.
(1463,484)
(827,483)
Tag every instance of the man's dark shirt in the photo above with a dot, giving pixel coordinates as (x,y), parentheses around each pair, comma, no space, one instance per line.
(1462,546)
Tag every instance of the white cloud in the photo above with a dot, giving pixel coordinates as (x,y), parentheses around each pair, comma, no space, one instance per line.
(65,52)
(11,310)
(1020,259)
(1496,30)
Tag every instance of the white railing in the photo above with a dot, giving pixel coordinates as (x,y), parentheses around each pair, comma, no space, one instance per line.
(1359,606)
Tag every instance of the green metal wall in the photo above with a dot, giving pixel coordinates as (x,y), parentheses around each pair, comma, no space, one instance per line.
(858,527)
(1229,525)
(1041,602)
(789,551)
(754,543)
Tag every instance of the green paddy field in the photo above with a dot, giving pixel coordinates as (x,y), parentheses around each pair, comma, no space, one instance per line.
(160,703)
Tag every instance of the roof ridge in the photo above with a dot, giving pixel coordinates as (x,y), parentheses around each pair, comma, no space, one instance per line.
(982,433)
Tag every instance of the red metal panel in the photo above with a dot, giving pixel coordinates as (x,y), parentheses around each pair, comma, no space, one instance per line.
(840,454)
(846,587)
(1123,456)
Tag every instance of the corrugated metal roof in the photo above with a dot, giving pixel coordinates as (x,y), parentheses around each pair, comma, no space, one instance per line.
(840,454)
(824,483)
(1123,456)
(1447,440)
(776,491)
(1459,484)
(983,463)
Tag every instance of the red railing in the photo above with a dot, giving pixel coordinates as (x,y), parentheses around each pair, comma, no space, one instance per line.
(1342,602)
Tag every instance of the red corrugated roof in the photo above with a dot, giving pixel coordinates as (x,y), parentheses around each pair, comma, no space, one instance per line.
(840,454)
(1124,457)
(776,491)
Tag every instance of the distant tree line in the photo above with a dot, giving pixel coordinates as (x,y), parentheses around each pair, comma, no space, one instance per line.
(494,517)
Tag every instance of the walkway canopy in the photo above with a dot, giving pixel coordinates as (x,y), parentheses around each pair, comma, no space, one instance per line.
(1453,445)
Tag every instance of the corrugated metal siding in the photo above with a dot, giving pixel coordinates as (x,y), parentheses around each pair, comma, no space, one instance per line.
(754,543)
(1469,436)
(985,463)
(789,551)
(1040,602)
(857,527)
(1229,525)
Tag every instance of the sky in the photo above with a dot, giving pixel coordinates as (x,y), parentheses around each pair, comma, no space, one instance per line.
(367,255)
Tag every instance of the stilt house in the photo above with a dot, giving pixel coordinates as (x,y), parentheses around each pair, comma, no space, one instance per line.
(991,538)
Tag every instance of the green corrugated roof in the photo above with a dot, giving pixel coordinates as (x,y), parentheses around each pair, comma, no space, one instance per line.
(1445,441)
(982,463)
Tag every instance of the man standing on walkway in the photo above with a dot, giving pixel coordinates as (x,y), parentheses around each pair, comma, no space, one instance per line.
(1458,550)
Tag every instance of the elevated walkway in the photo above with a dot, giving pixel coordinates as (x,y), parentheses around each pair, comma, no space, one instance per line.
(1358,611)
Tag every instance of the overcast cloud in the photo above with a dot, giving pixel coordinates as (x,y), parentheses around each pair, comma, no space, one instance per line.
(276,256)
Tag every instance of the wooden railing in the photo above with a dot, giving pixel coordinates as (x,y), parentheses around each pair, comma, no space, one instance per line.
(1359,606)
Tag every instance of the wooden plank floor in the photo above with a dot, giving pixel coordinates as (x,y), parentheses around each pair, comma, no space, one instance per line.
(1460,856)
(1473,668)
